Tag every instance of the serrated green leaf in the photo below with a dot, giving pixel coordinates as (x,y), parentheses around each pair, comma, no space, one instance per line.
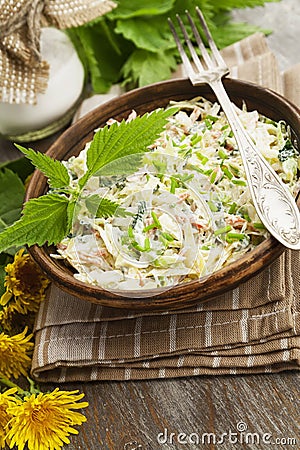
(123,139)
(54,170)
(144,67)
(134,8)
(156,35)
(44,220)
(129,18)
(103,207)
(11,197)
(122,166)
(104,60)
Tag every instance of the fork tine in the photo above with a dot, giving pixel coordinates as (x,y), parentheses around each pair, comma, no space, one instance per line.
(189,44)
(200,43)
(186,62)
(210,40)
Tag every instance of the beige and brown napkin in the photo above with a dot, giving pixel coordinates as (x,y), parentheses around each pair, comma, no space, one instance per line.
(254,328)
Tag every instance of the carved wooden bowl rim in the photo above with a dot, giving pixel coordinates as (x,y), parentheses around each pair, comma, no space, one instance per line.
(145,99)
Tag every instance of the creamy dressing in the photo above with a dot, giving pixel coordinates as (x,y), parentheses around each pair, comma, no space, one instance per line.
(188,210)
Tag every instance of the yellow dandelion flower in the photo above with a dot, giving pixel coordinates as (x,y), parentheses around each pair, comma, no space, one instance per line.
(25,284)
(44,421)
(14,354)
(12,321)
(7,400)
(6,317)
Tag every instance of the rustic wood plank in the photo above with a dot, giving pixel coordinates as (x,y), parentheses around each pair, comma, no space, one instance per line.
(130,415)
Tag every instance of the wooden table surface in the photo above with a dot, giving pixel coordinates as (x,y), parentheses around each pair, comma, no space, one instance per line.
(177,413)
(141,415)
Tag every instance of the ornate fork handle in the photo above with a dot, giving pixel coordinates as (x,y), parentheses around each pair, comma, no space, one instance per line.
(274,204)
(273,201)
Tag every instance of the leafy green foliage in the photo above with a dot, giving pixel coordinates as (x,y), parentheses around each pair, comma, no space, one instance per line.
(102,51)
(156,35)
(144,67)
(49,218)
(135,8)
(44,219)
(55,171)
(11,197)
(103,207)
(133,43)
(20,166)
(123,167)
(123,139)
(71,212)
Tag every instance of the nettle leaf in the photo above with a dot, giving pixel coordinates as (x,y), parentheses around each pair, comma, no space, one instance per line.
(11,197)
(144,67)
(71,213)
(103,61)
(122,166)
(141,26)
(156,35)
(54,170)
(103,207)
(135,8)
(124,139)
(44,220)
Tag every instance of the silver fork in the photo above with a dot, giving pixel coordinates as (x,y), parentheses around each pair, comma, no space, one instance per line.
(273,201)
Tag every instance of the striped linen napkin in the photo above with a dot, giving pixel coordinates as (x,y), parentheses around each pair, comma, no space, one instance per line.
(254,328)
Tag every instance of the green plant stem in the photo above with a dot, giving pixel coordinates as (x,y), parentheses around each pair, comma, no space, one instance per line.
(10,384)
(32,387)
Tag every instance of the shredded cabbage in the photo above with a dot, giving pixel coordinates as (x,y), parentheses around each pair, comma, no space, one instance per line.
(188,207)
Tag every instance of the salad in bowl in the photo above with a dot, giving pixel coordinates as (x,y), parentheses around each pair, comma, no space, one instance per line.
(185,212)
(144,203)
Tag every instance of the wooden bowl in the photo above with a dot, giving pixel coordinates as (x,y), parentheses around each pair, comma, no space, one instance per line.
(72,141)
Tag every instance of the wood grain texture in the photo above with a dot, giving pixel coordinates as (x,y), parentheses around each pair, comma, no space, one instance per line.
(130,415)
